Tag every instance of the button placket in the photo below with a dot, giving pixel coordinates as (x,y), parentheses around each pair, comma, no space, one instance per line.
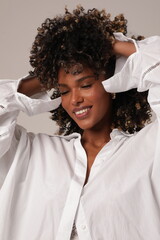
(2,109)
(81,224)
(83,227)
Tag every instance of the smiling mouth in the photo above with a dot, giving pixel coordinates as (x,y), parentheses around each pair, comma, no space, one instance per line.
(82,113)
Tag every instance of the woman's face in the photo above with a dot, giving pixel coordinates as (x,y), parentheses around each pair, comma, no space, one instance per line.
(84,98)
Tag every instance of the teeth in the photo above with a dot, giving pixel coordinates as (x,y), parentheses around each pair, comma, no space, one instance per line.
(82,111)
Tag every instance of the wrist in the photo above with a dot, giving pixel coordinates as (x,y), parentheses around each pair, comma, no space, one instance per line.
(124,48)
(29,86)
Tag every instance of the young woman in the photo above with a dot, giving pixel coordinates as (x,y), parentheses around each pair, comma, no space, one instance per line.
(99,178)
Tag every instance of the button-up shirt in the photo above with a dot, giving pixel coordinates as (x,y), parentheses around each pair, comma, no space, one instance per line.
(42,177)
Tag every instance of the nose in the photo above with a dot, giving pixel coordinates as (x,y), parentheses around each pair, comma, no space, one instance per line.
(76,98)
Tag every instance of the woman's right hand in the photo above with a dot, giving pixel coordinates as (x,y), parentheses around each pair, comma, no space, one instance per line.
(30,86)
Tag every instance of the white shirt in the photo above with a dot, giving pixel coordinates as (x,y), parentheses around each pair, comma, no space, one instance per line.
(42,177)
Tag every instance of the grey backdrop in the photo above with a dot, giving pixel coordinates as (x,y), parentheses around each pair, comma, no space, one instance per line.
(19,20)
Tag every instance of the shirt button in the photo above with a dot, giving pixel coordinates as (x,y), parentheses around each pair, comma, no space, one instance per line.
(2,108)
(83,227)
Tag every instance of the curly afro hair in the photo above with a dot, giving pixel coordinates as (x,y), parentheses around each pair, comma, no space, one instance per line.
(85,38)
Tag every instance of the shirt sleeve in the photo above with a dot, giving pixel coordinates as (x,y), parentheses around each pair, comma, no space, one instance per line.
(11,102)
(142,71)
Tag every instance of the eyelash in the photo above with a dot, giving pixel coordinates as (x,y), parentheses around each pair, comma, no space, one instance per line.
(85,86)
(63,93)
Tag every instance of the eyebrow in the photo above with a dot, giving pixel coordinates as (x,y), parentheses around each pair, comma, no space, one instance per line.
(78,80)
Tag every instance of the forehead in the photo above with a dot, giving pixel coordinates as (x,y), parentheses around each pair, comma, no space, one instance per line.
(64,77)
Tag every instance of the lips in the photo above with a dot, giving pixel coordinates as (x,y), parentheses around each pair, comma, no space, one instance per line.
(83,112)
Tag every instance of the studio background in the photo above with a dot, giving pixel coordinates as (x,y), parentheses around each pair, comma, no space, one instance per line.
(19,20)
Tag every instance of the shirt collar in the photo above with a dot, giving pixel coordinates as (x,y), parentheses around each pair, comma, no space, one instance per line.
(117,134)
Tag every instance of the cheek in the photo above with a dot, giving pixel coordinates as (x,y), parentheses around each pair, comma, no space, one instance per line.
(104,103)
(101,97)
(94,95)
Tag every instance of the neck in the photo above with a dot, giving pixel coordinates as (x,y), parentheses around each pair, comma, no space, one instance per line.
(96,137)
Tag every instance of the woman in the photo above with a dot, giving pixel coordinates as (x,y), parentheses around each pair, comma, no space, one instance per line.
(100,181)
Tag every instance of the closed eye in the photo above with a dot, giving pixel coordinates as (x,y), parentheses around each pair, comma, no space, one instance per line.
(64,93)
(86,86)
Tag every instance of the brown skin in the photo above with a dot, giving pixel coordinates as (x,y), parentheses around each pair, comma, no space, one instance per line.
(123,48)
(85,91)
(96,130)
(96,124)
(30,86)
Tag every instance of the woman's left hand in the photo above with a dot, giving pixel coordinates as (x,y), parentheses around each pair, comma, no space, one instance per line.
(124,48)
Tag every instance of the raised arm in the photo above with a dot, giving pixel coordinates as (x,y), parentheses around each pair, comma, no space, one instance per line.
(141,70)
(15,97)
(30,86)
(124,48)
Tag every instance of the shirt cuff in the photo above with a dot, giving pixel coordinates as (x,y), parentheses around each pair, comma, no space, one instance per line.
(37,103)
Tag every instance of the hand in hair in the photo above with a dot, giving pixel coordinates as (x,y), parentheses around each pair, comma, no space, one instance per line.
(29,86)
(123,48)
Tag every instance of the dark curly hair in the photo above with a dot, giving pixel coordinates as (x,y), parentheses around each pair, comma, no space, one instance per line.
(85,38)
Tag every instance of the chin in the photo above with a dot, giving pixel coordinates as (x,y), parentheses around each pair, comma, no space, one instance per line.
(86,126)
